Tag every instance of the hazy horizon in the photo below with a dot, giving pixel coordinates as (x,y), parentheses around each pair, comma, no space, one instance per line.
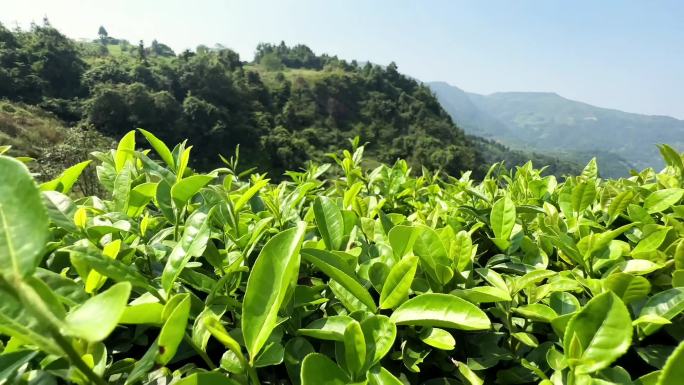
(624,55)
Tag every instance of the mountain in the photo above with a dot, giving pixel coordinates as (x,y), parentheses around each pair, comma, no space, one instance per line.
(549,123)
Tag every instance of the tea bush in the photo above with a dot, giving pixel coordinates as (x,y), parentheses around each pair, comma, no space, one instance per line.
(363,277)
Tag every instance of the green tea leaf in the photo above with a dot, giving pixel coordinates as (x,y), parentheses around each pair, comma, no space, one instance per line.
(186,188)
(182,163)
(61,210)
(160,147)
(11,362)
(83,253)
(398,283)
(480,294)
(469,374)
(441,310)
(145,313)
(536,312)
(673,371)
(433,255)
(438,338)
(531,278)
(336,269)
(330,222)
(354,349)
(272,354)
(583,195)
(662,199)
(651,242)
(173,330)
(628,287)
(318,369)
(327,328)
(671,157)
(97,317)
(401,239)
(124,151)
(381,376)
(601,331)
(619,204)
(379,335)
(666,304)
(274,271)
(590,171)
(144,365)
(251,192)
(140,196)
(526,338)
(462,250)
(17,322)
(66,180)
(164,201)
(23,220)
(563,303)
(192,244)
(502,220)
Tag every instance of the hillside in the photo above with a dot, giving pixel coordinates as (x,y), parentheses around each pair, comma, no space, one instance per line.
(285,107)
(32,132)
(549,123)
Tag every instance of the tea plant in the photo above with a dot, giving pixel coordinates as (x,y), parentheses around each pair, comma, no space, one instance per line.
(370,277)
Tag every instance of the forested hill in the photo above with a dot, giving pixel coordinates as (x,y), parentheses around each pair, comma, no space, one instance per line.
(285,107)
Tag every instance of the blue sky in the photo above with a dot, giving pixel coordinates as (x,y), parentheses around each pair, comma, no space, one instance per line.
(625,54)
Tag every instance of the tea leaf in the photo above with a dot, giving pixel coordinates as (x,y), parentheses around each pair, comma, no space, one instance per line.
(441,310)
(173,330)
(674,367)
(330,222)
(600,333)
(502,219)
(23,220)
(318,369)
(98,316)
(274,271)
(396,288)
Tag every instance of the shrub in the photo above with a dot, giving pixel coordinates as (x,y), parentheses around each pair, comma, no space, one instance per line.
(377,276)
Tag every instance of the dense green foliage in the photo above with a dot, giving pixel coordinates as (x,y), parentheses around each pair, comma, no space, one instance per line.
(286,107)
(339,275)
(548,123)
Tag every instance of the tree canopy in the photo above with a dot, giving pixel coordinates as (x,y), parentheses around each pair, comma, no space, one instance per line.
(285,107)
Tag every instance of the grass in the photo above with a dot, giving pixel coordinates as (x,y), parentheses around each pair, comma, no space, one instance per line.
(29,129)
(311,76)
(35,133)
(114,50)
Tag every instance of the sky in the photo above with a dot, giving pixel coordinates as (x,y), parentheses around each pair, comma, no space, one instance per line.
(627,54)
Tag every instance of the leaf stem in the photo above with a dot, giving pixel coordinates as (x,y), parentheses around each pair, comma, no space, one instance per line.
(75,358)
(253,377)
(199,351)
(35,305)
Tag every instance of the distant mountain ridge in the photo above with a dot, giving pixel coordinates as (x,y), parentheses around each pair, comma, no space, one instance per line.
(546,122)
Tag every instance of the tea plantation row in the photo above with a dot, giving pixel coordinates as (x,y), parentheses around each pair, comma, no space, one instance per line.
(339,275)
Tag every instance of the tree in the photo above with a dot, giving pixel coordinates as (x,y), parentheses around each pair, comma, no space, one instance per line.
(160,49)
(107,111)
(55,59)
(271,62)
(142,55)
(102,33)
(281,118)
